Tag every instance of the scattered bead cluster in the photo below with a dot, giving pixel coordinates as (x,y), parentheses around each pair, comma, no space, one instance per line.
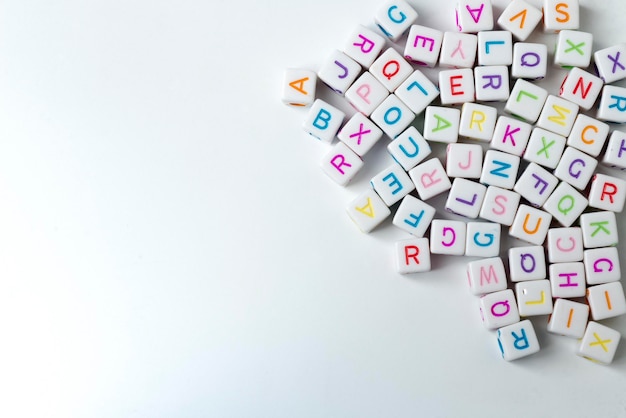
(558,144)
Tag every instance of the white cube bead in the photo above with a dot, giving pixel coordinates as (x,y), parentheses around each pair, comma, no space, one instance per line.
(518,340)
(520,18)
(391,69)
(366,94)
(299,87)
(526,101)
(530,60)
(500,169)
(456,86)
(486,276)
(559,15)
(368,210)
(478,121)
(394,18)
(423,45)
(536,184)
(615,154)
(588,135)
(568,318)
(414,216)
(581,87)
(530,225)
(412,256)
(430,179)
(441,124)
(599,229)
(607,193)
(341,164)
(392,184)
(602,265)
(576,168)
(409,148)
(573,49)
(447,237)
(417,92)
(474,15)
(360,134)
(492,83)
(464,160)
(558,115)
(567,280)
(565,204)
(565,245)
(545,148)
(527,263)
(499,309)
(483,239)
(458,50)
(606,300)
(612,106)
(364,46)
(610,63)
(465,198)
(323,121)
(511,135)
(534,297)
(392,116)
(339,72)
(495,47)
(499,205)
(599,343)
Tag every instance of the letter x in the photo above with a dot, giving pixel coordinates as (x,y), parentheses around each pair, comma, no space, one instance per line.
(575,47)
(360,133)
(616,62)
(600,342)
(544,150)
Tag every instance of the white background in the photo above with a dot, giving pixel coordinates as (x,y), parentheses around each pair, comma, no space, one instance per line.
(170,247)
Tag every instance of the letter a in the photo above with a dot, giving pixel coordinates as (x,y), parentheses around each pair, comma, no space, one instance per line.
(299,85)
(368,209)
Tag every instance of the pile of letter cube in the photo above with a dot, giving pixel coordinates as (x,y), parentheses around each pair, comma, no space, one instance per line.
(556,187)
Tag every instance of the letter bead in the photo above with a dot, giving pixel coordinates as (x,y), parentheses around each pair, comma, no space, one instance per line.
(565,245)
(391,69)
(567,280)
(612,106)
(599,229)
(409,148)
(576,168)
(560,15)
(599,343)
(495,48)
(474,15)
(500,169)
(392,116)
(430,179)
(458,50)
(606,300)
(530,225)
(499,205)
(492,83)
(499,309)
(520,18)
(483,239)
(588,135)
(423,45)
(478,121)
(299,87)
(394,18)
(323,121)
(417,92)
(364,46)
(527,263)
(465,198)
(568,318)
(392,184)
(339,72)
(573,49)
(511,135)
(565,204)
(441,124)
(447,237)
(412,256)
(456,86)
(610,63)
(341,164)
(414,216)
(368,210)
(607,193)
(581,87)
(536,184)
(486,276)
(464,160)
(558,115)
(366,94)
(534,297)
(615,155)
(526,101)
(602,265)
(545,148)
(518,340)
(530,61)
(360,134)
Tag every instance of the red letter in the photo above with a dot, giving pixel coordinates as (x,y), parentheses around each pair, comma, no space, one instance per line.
(610,190)
(412,255)
(453,85)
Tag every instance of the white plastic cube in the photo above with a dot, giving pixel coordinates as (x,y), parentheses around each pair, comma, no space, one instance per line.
(474,15)
(526,101)
(534,297)
(486,276)
(599,229)
(368,210)
(394,18)
(565,204)
(417,92)
(612,106)
(364,46)
(558,115)
(530,225)
(518,340)
(606,300)
(588,135)
(409,148)
(465,198)
(323,121)
(483,239)
(456,86)
(607,193)
(392,116)
(495,47)
(366,94)
(500,169)
(565,245)
(511,135)
(478,121)
(458,50)
(430,179)
(568,318)
(499,205)
(441,124)
(520,18)
(545,148)
(610,63)
(615,154)
(492,83)
(391,69)
(602,265)
(581,87)
(527,263)
(536,184)
(464,160)
(392,184)
(599,343)
(576,168)
(339,72)
(573,49)
(499,309)
(341,164)
(412,256)
(530,60)
(559,15)
(360,134)
(423,45)
(447,237)
(299,87)
(567,280)
(413,216)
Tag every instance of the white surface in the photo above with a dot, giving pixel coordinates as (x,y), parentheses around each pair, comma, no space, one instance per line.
(170,247)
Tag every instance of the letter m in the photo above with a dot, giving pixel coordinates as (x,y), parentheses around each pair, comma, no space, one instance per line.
(486,277)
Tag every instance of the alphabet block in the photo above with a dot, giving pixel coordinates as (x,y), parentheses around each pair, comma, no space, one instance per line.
(526,101)
(499,205)
(409,148)
(567,280)
(536,184)
(610,63)
(341,164)
(360,134)
(581,87)
(458,50)
(417,92)
(511,135)
(500,169)
(495,47)
(606,300)
(573,49)
(565,245)
(412,256)
(568,318)
(576,168)
(607,193)
(392,184)
(483,239)
(588,135)
(456,86)
(602,265)
(599,229)
(558,115)
(368,210)
(615,155)
(464,160)
(492,83)
(612,106)
(430,179)
(392,116)
(566,204)
(299,87)
(441,124)
(339,72)
(486,276)
(499,309)
(518,340)
(474,15)
(534,297)
(559,15)
(465,198)
(520,18)
(364,46)
(366,94)
(423,45)
(530,61)
(599,343)
(414,216)
(530,225)
(391,69)
(545,148)
(394,18)
(478,121)
(527,263)
(323,121)
(447,237)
